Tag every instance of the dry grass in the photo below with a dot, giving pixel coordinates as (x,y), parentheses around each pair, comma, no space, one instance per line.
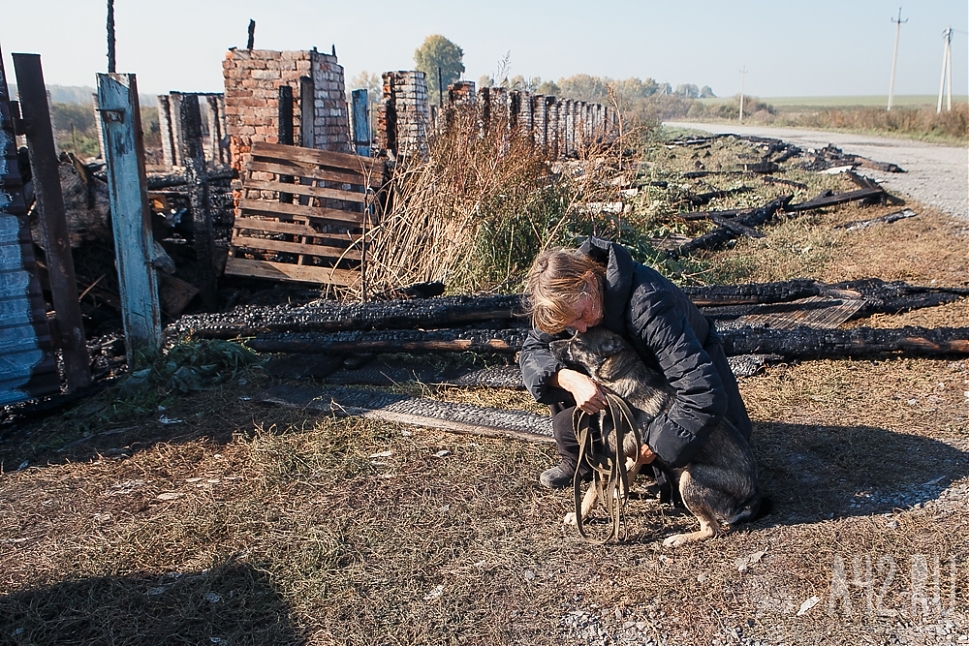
(249,524)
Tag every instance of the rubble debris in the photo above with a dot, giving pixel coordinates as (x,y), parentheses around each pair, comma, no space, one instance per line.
(721,234)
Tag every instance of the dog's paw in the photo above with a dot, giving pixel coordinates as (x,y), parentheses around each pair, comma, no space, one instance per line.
(677,540)
(569,519)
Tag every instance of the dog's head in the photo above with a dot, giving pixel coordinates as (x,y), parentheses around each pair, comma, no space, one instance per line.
(599,352)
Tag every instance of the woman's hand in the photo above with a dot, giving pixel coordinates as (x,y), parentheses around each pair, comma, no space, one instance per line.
(588,395)
(646,454)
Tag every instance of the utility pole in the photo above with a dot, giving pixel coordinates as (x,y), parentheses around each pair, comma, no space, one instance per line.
(743,73)
(898,28)
(110,26)
(946,72)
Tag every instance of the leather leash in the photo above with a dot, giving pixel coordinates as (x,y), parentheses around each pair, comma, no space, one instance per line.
(609,475)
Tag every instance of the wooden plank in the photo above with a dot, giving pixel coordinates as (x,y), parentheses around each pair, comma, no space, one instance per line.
(275,226)
(252,206)
(32,373)
(361,122)
(297,273)
(356,163)
(53,219)
(267,244)
(310,191)
(124,151)
(309,171)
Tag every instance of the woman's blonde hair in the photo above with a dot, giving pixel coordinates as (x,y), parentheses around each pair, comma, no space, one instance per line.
(557,279)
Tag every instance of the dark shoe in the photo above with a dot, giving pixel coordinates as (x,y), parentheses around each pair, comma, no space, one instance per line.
(556,478)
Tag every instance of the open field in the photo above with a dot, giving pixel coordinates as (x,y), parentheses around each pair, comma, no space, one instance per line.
(904,100)
(222,520)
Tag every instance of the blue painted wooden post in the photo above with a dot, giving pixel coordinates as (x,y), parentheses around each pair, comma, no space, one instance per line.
(361,123)
(130,216)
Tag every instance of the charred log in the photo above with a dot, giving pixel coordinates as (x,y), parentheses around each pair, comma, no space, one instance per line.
(704,198)
(332,316)
(798,343)
(753,293)
(717,301)
(810,343)
(504,341)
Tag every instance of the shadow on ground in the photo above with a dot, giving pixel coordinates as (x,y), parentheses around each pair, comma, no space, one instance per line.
(821,472)
(231,604)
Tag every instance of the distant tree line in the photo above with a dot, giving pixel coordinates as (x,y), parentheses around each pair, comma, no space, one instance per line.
(598,89)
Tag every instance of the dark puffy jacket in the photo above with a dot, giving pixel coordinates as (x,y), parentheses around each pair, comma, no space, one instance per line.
(669,333)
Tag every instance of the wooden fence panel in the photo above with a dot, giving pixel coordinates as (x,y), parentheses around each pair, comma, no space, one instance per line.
(319,237)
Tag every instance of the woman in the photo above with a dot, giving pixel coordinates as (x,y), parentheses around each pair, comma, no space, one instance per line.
(600,284)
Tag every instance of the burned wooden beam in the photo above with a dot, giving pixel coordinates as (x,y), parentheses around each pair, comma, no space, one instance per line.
(503,341)
(753,293)
(810,343)
(797,343)
(403,409)
(334,316)
(157,182)
(721,234)
(735,227)
(837,198)
(193,157)
(704,198)
(506,311)
(50,201)
(769,179)
(866,182)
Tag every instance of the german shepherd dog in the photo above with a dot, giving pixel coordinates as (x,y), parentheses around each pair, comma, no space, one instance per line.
(718,486)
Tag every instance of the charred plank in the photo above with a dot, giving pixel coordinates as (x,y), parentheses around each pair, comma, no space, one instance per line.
(503,341)
(810,343)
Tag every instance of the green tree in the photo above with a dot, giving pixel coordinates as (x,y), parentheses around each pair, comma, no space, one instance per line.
(439,52)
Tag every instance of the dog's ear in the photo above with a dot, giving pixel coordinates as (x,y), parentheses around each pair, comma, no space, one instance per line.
(612,343)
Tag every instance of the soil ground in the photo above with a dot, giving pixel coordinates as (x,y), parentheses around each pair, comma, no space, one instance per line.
(212,518)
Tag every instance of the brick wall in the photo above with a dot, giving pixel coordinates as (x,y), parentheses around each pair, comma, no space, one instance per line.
(403,117)
(557,127)
(252,81)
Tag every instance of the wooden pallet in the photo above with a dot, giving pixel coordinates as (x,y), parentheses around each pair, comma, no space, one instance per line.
(303,215)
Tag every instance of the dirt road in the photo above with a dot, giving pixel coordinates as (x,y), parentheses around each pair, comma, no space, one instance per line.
(935,175)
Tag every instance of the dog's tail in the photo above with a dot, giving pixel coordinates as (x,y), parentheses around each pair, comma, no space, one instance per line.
(751,509)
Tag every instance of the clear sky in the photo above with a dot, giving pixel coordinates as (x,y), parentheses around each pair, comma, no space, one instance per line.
(804,48)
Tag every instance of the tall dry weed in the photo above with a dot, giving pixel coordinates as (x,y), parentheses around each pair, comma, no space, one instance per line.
(472,214)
